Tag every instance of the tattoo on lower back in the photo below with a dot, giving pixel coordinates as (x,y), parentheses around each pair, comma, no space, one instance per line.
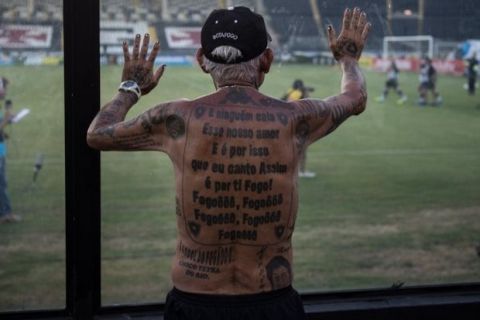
(279,272)
(201,263)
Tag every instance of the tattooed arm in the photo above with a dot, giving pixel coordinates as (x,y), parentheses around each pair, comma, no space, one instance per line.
(326,115)
(108,131)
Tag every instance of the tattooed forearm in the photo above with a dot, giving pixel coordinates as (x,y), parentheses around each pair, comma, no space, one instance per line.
(354,85)
(103,128)
(114,111)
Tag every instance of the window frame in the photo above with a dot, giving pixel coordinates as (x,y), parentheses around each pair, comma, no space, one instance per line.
(82,193)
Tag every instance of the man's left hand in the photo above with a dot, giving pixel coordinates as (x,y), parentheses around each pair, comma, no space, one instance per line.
(138,67)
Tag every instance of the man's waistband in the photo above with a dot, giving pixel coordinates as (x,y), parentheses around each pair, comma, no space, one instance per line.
(232,300)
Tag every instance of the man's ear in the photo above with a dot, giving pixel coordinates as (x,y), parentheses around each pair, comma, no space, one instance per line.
(199,57)
(266,60)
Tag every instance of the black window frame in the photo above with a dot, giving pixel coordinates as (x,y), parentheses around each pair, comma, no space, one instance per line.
(82,193)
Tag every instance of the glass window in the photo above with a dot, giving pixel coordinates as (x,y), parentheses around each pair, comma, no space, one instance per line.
(391,197)
(32,190)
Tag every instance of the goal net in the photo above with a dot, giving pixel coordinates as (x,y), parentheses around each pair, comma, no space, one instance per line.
(408,46)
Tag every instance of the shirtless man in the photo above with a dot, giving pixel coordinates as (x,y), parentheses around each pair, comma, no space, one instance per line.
(235,157)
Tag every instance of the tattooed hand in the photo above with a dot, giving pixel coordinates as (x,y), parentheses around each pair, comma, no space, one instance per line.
(138,67)
(352,38)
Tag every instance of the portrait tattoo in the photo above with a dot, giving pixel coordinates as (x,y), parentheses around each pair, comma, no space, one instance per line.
(175,126)
(279,272)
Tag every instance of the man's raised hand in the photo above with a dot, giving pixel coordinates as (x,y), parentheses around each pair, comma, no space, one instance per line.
(352,37)
(138,67)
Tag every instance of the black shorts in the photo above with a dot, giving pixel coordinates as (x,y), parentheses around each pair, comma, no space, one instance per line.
(283,304)
(391,83)
(428,85)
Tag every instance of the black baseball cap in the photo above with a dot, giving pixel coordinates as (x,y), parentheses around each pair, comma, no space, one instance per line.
(238,27)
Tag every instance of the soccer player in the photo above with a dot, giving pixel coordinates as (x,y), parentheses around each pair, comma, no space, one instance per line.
(428,80)
(392,84)
(235,157)
(472,72)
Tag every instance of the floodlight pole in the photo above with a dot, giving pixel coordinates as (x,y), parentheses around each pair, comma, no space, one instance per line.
(421,14)
(389,6)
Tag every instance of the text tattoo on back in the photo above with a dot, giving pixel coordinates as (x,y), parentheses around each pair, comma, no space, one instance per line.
(235,191)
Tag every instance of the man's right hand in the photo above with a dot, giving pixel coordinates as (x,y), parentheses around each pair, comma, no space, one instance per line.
(352,37)
(138,67)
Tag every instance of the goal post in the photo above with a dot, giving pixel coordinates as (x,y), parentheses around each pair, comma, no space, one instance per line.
(408,45)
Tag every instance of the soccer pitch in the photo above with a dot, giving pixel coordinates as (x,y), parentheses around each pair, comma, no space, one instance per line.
(395,200)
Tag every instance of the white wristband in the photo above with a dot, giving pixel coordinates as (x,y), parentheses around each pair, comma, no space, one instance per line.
(130,86)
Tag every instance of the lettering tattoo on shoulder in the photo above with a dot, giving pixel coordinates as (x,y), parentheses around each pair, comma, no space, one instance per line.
(279,272)
(238,96)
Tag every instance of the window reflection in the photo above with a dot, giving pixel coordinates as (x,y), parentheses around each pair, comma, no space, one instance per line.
(32,240)
(395,195)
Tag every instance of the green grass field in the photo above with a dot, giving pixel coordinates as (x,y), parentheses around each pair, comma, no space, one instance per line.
(396,197)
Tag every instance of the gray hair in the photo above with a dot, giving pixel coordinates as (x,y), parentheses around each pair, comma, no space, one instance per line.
(245,71)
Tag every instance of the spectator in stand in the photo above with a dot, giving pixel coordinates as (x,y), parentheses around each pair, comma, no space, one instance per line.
(428,81)
(472,72)
(392,83)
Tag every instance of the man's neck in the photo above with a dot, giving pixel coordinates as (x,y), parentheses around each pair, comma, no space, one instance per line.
(236,83)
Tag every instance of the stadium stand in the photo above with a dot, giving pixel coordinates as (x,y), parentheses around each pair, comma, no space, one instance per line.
(452,20)
(294,24)
(39,11)
(198,10)
(332,11)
